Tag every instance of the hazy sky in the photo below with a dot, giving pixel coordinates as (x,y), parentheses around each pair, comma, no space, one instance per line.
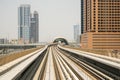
(56,18)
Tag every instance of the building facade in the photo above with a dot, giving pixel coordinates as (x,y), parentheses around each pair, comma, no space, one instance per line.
(76,33)
(34,35)
(101,24)
(24,23)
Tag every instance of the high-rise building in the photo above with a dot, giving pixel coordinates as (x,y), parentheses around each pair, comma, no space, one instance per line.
(24,23)
(82,16)
(28,30)
(101,24)
(76,33)
(34,35)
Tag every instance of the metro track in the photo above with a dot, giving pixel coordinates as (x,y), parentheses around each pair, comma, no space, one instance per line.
(65,70)
(29,72)
(71,67)
(56,63)
(87,69)
(105,71)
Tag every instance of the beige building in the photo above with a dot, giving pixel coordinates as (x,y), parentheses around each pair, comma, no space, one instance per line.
(101,24)
(14,41)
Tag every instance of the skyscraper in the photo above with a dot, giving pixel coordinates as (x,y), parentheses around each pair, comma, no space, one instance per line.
(101,24)
(82,16)
(34,35)
(28,30)
(24,23)
(76,33)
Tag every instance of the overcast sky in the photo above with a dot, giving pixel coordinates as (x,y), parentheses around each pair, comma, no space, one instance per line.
(56,18)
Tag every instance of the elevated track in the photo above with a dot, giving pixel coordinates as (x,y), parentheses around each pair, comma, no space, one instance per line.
(59,63)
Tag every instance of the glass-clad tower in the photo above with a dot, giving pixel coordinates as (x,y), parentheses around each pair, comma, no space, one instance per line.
(82,16)
(76,33)
(24,23)
(34,34)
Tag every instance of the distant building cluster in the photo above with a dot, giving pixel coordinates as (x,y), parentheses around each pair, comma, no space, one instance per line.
(28,25)
(100,26)
(14,41)
(4,41)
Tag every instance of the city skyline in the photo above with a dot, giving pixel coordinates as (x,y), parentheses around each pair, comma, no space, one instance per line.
(55,18)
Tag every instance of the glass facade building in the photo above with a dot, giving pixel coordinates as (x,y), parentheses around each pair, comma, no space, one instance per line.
(28,29)
(34,35)
(82,16)
(24,23)
(77,33)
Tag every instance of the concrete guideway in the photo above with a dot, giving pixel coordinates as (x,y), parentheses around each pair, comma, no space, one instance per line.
(40,70)
(11,64)
(23,63)
(58,63)
(76,68)
(116,60)
(108,60)
(50,73)
(66,69)
(86,71)
(107,67)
